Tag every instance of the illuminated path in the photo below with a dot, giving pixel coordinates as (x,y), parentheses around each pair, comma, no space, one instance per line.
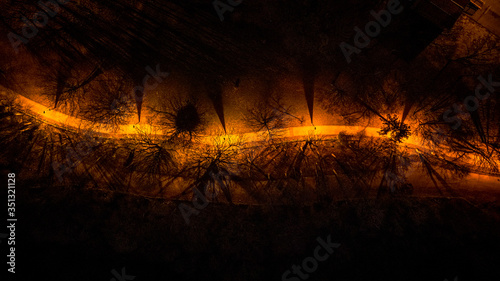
(471,185)
(58,118)
(132,129)
(123,131)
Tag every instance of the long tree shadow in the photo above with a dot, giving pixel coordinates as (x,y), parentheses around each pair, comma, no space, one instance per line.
(309,71)
(214,93)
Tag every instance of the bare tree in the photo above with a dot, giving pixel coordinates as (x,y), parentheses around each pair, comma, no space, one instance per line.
(108,101)
(181,119)
(213,167)
(270,116)
(152,159)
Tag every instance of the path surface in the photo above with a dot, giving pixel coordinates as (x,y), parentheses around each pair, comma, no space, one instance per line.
(131,129)
(483,187)
(56,117)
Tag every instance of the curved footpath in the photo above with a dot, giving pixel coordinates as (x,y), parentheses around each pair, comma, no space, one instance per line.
(474,182)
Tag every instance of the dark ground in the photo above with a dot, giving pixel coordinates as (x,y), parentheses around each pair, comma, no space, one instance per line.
(71,235)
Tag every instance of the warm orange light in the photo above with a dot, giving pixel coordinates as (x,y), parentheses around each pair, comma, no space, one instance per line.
(218,138)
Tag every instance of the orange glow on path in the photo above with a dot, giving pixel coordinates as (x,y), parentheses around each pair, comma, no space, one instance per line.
(412,143)
(132,129)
